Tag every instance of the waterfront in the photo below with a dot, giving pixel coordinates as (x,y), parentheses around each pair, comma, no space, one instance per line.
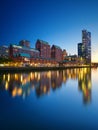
(60,99)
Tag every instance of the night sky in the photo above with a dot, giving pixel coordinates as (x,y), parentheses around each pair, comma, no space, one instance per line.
(58,22)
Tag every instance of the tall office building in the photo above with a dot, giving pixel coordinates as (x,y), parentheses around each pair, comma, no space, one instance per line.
(86,41)
(81,53)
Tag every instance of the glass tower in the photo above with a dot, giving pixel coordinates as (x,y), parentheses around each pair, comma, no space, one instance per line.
(86,41)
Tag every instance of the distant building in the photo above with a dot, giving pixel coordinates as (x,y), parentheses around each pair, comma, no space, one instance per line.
(56,53)
(70,60)
(64,54)
(44,48)
(86,41)
(24,43)
(4,51)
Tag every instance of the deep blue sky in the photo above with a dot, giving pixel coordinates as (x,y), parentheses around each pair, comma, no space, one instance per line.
(56,21)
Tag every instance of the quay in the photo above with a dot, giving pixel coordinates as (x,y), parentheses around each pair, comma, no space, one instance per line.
(26,68)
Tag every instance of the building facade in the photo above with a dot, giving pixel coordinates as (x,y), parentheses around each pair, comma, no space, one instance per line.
(81,50)
(56,53)
(44,48)
(70,60)
(4,51)
(22,53)
(86,40)
(81,53)
(64,54)
(25,43)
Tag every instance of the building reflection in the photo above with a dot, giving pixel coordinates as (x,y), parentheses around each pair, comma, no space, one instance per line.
(84,84)
(44,84)
(22,84)
(56,79)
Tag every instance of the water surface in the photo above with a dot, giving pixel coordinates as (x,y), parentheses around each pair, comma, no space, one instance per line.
(65,99)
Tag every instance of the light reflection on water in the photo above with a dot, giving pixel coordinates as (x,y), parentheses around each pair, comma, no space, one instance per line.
(49,100)
(21,84)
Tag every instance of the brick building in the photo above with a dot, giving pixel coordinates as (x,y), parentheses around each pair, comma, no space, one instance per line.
(64,54)
(44,49)
(56,53)
(19,52)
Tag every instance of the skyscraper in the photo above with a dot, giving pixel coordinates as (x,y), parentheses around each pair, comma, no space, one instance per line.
(86,41)
(81,53)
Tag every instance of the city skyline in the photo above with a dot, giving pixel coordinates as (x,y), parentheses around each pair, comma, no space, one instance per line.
(58,22)
(84,48)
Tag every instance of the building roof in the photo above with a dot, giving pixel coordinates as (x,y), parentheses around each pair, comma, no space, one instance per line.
(56,47)
(32,49)
(4,46)
(80,43)
(24,41)
(24,48)
(44,42)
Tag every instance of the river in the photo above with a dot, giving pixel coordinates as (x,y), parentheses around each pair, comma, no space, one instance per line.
(49,100)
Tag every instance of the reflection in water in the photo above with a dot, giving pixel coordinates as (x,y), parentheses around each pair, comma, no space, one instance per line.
(21,84)
(84,84)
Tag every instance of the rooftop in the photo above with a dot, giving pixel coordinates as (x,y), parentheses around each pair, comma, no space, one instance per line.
(24,41)
(25,48)
(5,46)
(56,46)
(44,42)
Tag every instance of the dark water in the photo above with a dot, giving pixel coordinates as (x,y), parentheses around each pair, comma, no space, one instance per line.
(50,100)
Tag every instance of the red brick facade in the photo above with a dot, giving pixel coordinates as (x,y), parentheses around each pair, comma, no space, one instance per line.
(56,53)
(16,51)
(44,49)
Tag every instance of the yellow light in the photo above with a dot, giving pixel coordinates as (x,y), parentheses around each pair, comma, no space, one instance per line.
(32,75)
(14,92)
(83,86)
(81,76)
(64,78)
(38,76)
(85,70)
(4,77)
(35,74)
(8,77)
(16,76)
(19,91)
(49,74)
(21,78)
(6,85)
(89,85)
(57,74)
(45,89)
